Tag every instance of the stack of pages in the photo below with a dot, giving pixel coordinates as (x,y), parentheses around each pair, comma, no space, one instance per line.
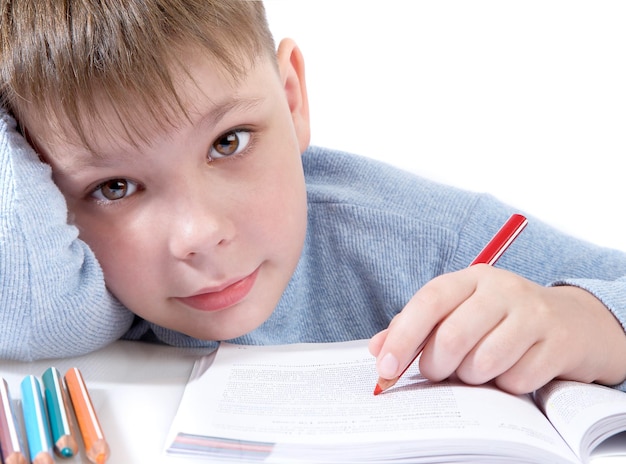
(314,403)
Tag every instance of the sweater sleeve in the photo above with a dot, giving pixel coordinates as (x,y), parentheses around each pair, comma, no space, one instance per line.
(53,299)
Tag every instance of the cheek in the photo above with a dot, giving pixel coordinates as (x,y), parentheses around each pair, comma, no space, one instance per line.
(276,207)
(123,251)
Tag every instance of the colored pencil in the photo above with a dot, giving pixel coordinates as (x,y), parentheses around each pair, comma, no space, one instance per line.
(36,422)
(489,255)
(10,438)
(57,403)
(96,446)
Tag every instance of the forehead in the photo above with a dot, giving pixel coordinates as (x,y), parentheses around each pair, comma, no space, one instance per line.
(201,91)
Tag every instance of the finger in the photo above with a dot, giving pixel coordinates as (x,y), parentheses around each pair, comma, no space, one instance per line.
(432,303)
(499,350)
(459,334)
(376,342)
(532,371)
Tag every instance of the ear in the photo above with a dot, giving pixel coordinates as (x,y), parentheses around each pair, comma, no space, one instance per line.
(291,70)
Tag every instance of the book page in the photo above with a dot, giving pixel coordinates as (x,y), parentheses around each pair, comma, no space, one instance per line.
(585,415)
(273,402)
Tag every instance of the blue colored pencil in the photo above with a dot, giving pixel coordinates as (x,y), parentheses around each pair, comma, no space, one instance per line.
(57,404)
(36,422)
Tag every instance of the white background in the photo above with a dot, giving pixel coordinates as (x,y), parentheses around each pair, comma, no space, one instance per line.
(522,99)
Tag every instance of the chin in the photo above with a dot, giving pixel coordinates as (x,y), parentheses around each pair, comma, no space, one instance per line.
(227,329)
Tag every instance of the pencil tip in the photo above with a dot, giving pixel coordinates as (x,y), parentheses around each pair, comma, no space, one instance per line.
(377,390)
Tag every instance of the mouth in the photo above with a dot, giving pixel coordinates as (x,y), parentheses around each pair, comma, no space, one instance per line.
(216,300)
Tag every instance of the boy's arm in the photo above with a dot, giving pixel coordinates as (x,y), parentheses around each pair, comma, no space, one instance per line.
(53,300)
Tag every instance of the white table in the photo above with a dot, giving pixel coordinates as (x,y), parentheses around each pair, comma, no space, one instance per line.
(136,389)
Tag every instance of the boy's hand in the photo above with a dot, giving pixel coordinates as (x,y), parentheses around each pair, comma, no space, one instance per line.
(488,323)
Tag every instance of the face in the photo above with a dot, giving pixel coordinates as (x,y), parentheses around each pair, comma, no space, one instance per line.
(199,230)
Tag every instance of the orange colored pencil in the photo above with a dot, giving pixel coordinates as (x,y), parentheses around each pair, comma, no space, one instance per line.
(96,446)
(489,255)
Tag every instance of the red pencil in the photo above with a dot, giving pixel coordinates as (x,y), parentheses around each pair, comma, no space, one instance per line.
(489,255)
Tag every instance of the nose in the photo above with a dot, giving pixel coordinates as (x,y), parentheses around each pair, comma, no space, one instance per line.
(198,227)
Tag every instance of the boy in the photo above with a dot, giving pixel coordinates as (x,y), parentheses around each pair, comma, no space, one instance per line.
(179,137)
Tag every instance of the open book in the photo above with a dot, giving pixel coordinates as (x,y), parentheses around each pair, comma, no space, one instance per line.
(314,403)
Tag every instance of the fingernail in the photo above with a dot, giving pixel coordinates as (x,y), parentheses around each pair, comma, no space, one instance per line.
(388,366)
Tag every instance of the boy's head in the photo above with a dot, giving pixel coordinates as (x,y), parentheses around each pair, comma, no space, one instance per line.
(65,58)
(174,130)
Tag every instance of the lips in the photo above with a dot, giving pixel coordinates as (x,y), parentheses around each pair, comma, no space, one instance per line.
(222,298)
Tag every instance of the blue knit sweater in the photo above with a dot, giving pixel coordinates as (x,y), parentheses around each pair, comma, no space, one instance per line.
(375,235)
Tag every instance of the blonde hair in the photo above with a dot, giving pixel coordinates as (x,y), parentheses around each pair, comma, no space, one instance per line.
(62,57)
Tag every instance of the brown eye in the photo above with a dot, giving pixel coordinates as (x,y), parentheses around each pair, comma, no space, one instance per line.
(114,189)
(230,143)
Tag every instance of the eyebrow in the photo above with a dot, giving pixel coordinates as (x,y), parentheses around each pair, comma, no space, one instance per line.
(210,117)
(216,114)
